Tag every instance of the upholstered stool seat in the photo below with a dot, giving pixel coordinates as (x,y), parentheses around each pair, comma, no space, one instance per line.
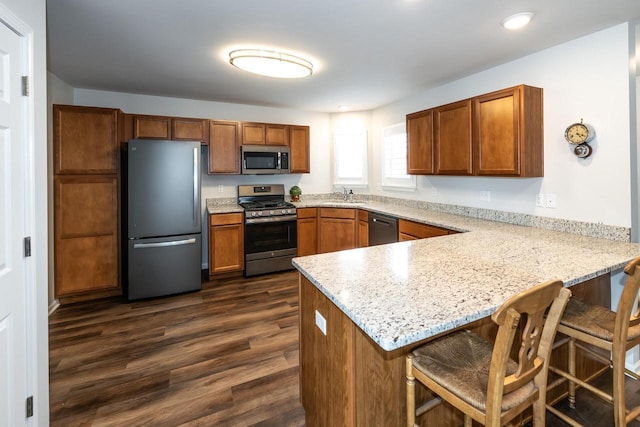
(460,362)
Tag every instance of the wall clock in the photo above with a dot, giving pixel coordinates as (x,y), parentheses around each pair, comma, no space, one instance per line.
(579,133)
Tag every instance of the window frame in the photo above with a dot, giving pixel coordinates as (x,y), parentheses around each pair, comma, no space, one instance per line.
(356,136)
(407,183)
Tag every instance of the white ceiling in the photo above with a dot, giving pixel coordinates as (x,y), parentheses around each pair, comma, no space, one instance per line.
(368,53)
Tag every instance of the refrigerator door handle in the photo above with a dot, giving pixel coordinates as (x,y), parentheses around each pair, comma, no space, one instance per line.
(196,171)
(164,244)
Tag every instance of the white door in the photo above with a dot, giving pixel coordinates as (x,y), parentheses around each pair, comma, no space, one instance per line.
(13,343)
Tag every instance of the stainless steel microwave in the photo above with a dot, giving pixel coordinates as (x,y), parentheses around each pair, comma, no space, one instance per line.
(264,159)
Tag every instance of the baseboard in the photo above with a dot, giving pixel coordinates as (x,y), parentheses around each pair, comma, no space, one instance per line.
(53,306)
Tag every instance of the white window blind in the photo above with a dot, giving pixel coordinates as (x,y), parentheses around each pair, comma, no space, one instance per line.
(350,157)
(394,158)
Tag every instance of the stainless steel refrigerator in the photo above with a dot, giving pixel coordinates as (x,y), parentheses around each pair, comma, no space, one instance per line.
(163,249)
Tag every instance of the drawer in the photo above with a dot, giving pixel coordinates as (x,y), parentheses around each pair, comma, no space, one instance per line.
(225,219)
(307,212)
(420,231)
(338,213)
(363,215)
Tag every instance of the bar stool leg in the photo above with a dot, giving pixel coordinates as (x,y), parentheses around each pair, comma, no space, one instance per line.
(411,392)
(619,407)
(572,371)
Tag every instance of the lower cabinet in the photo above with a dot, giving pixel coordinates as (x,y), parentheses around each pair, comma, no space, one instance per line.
(337,229)
(226,244)
(409,230)
(307,231)
(86,237)
(363,228)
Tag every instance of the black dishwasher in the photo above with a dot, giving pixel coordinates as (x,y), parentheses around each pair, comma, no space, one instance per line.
(382,229)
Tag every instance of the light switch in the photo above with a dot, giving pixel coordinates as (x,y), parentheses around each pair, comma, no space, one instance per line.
(321,322)
(540,200)
(552,201)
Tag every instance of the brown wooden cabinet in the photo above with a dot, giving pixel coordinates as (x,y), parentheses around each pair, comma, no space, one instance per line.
(307,231)
(86,202)
(264,133)
(420,143)
(85,140)
(453,139)
(186,129)
(337,229)
(409,230)
(276,134)
(300,161)
(495,134)
(151,127)
(226,243)
(363,228)
(508,133)
(224,147)
(253,133)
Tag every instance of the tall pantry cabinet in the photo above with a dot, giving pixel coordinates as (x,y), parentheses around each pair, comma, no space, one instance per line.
(86,202)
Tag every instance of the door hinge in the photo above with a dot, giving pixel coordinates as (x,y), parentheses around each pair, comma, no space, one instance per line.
(29,406)
(25,85)
(27,246)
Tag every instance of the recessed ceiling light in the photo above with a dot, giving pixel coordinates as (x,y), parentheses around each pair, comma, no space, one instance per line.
(271,63)
(517,21)
(343,108)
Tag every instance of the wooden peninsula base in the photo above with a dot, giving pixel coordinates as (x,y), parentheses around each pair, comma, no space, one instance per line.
(346,379)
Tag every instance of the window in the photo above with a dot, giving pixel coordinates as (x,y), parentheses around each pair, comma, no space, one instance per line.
(394,159)
(350,158)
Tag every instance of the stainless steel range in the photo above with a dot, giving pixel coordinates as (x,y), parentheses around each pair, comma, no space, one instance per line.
(270,230)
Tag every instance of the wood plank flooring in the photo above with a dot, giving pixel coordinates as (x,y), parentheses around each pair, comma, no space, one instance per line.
(224,356)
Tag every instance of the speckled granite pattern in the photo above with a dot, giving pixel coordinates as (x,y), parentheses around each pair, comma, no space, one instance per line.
(226,205)
(404,292)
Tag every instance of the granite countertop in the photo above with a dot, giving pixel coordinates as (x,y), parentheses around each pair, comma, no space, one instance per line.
(404,292)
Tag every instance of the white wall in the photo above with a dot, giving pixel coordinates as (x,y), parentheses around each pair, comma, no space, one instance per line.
(317,181)
(58,92)
(32,13)
(584,78)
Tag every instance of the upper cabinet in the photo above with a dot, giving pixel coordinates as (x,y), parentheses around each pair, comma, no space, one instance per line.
(85,140)
(153,127)
(185,129)
(176,128)
(420,142)
(264,134)
(300,161)
(452,139)
(224,147)
(496,134)
(508,135)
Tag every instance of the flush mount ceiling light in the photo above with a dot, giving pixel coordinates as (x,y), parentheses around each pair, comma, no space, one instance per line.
(271,63)
(517,21)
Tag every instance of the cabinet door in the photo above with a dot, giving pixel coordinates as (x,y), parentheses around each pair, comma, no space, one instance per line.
(508,135)
(277,135)
(86,234)
(85,140)
(190,130)
(253,133)
(420,142)
(152,127)
(300,151)
(226,244)
(224,147)
(453,140)
(363,228)
(409,230)
(337,229)
(307,236)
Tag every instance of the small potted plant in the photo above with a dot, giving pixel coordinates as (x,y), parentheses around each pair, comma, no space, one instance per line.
(295,192)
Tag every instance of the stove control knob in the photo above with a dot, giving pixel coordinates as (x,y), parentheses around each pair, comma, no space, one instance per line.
(259,213)
(253,214)
(284,211)
(272,213)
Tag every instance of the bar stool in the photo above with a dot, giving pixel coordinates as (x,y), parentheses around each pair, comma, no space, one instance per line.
(614,332)
(480,379)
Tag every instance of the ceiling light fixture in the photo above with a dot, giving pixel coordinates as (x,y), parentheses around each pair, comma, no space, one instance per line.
(517,21)
(271,63)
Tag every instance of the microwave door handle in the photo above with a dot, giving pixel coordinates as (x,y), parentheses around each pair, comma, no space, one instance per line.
(279,161)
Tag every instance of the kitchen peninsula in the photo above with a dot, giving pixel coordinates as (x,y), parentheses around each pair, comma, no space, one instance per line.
(362,310)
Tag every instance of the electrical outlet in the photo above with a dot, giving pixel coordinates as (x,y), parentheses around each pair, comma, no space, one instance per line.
(321,322)
(551,201)
(485,196)
(220,189)
(434,191)
(540,200)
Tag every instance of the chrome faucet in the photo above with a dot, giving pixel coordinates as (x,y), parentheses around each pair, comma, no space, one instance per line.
(346,194)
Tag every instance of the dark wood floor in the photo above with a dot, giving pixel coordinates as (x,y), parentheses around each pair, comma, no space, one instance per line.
(225,356)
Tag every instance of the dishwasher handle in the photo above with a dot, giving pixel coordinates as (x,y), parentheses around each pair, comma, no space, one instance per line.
(382,222)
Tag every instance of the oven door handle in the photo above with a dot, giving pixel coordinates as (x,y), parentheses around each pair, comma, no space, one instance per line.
(282,218)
